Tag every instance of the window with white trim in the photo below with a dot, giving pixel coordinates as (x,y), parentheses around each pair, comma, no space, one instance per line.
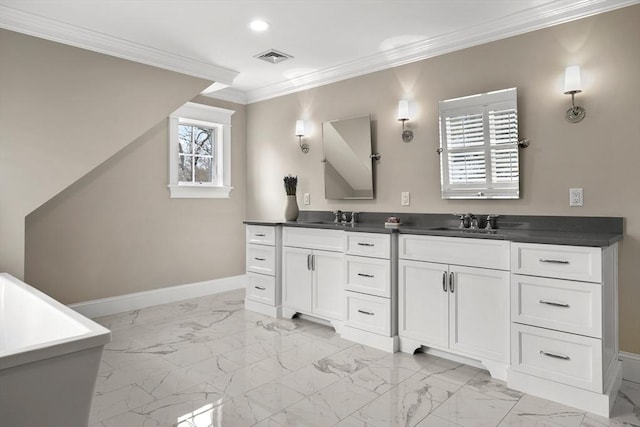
(200,152)
(479,146)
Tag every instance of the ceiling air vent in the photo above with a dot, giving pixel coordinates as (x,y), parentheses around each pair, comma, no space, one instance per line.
(272,56)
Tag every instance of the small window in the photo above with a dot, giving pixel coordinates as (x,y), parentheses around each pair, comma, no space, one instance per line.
(200,152)
(479,146)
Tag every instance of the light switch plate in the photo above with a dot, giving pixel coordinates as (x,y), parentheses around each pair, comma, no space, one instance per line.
(405,200)
(576,197)
(306,199)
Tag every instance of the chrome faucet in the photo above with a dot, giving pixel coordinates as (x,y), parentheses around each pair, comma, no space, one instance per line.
(338,215)
(469,221)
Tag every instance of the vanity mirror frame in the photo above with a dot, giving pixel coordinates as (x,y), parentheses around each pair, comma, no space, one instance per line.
(479,156)
(348,158)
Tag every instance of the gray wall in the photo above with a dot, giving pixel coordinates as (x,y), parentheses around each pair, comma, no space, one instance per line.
(116,231)
(600,154)
(63,111)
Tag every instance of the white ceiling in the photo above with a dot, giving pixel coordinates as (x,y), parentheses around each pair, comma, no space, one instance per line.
(330,40)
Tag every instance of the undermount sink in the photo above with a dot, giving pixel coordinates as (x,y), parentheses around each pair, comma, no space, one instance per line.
(465,230)
(323,222)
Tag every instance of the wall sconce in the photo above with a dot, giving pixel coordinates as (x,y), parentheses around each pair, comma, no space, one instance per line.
(300,133)
(403,116)
(573,85)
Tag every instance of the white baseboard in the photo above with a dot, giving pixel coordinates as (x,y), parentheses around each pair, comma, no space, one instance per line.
(138,300)
(630,366)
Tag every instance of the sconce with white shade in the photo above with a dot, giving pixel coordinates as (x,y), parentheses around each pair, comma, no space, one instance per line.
(403,116)
(573,85)
(300,133)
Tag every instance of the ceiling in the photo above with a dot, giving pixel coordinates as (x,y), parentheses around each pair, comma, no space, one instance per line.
(330,40)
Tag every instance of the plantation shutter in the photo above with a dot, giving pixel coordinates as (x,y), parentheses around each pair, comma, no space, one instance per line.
(479,146)
(503,131)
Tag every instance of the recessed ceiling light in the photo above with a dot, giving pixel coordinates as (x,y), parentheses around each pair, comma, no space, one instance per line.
(258,25)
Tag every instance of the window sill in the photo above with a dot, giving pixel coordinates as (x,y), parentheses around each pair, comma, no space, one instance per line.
(199,192)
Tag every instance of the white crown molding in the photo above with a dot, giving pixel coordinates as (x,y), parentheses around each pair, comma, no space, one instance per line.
(49,29)
(529,20)
(228,94)
(532,19)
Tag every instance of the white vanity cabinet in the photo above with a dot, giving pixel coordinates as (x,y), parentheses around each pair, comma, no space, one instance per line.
(263,249)
(453,296)
(564,324)
(370,289)
(312,280)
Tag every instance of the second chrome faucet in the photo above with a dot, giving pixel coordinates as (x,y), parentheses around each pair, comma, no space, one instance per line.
(470,221)
(341,217)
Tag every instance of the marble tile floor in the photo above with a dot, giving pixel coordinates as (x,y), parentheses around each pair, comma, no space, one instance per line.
(208,362)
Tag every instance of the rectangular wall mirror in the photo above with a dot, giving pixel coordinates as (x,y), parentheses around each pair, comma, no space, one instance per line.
(347,160)
(479,146)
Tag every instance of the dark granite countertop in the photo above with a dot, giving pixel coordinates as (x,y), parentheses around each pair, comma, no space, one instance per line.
(558,230)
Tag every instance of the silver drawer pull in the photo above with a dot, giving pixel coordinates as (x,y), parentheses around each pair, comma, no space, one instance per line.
(555,304)
(259,259)
(365,275)
(258,287)
(444,281)
(260,235)
(365,244)
(368,313)
(554,261)
(554,355)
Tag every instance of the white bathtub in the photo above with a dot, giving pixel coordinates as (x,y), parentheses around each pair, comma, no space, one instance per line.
(49,359)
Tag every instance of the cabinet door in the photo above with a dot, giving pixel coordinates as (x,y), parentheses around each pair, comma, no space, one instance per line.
(328,284)
(479,312)
(423,301)
(296,278)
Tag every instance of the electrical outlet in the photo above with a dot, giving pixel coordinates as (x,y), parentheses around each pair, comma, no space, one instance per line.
(306,199)
(576,197)
(405,201)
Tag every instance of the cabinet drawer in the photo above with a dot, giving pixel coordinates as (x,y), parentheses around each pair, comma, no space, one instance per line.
(557,356)
(368,275)
(313,238)
(261,259)
(368,244)
(261,234)
(558,261)
(563,305)
(261,288)
(369,313)
(455,250)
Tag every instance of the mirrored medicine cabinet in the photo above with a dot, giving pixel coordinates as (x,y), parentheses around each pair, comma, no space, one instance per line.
(479,146)
(348,166)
